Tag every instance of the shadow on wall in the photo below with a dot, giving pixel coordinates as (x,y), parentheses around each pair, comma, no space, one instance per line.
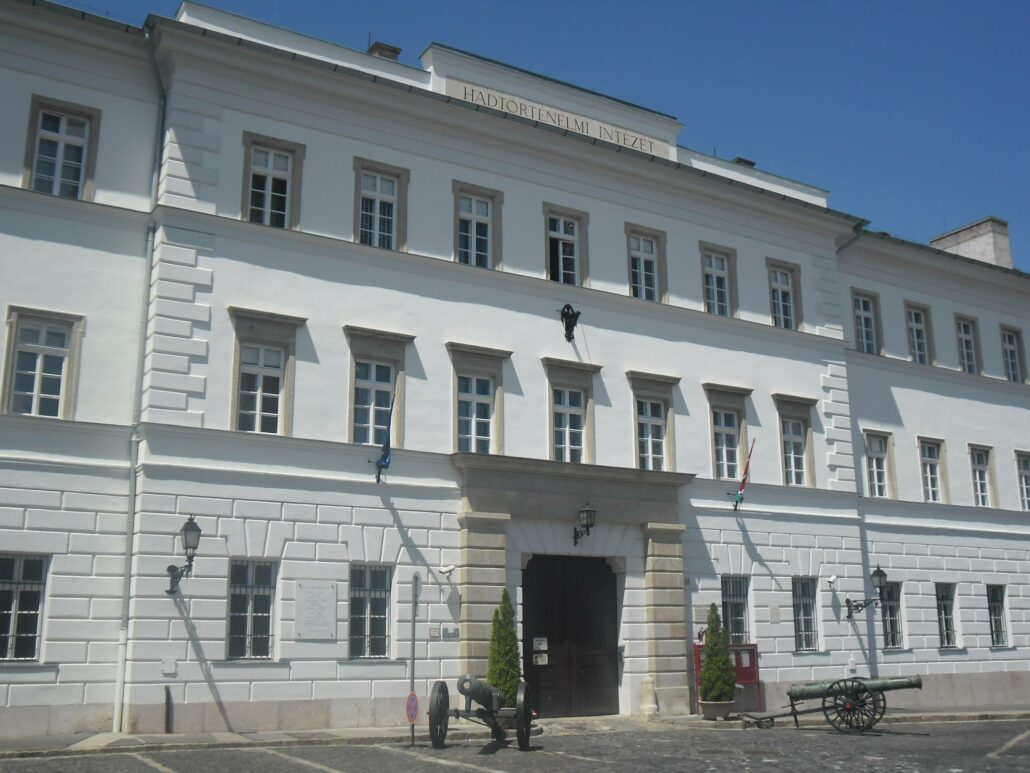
(204,663)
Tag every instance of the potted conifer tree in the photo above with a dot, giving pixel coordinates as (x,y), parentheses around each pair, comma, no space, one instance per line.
(503,667)
(717,676)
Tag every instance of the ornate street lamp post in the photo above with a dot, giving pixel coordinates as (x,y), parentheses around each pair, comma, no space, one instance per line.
(879,578)
(587,519)
(190,534)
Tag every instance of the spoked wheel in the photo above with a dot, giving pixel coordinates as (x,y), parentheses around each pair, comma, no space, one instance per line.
(523,717)
(439,713)
(850,706)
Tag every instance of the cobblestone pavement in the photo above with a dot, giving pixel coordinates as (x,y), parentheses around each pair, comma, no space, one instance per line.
(953,747)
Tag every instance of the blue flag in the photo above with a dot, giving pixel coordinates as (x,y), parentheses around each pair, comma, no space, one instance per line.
(383,462)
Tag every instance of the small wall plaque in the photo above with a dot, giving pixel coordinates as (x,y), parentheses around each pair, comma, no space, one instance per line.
(316,610)
(540,659)
(539,644)
(450,634)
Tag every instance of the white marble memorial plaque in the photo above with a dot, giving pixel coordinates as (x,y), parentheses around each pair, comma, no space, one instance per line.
(316,610)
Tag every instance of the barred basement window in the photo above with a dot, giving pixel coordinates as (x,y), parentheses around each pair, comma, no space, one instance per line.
(734,608)
(22,587)
(805,636)
(996,613)
(946,613)
(891,613)
(251,593)
(369,611)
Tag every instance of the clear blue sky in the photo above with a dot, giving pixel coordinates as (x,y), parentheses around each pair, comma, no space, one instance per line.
(915,114)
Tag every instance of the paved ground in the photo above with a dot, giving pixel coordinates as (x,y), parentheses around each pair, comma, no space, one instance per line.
(955,747)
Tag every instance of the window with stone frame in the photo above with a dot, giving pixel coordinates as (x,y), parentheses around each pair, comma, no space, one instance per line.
(475,413)
(378,385)
(380,204)
(785,294)
(41,371)
(795,417)
(1013,355)
(264,372)
(369,633)
(272,173)
(920,334)
(866,312)
(877,458)
(716,276)
(22,592)
(967,338)
(567,246)
(648,272)
(806,635)
(1023,473)
(61,149)
(655,420)
(251,609)
(930,470)
(728,411)
(373,401)
(477,225)
(980,467)
(571,409)
(479,397)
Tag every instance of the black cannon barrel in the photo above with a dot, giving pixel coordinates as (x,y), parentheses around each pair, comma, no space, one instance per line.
(804,691)
(486,695)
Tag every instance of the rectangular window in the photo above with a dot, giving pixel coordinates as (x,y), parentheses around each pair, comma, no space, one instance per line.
(261,389)
(891,614)
(1023,472)
(563,249)
(919,340)
(251,595)
(716,276)
(1012,355)
(650,434)
(643,267)
(271,181)
(945,613)
(930,469)
(968,355)
(474,220)
(61,149)
(805,636)
(726,429)
(22,589)
(734,608)
(979,462)
(369,611)
(784,297)
(795,435)
(866,323)
(876,465)
(475,413)
(569,407)
(378,210)
(40,366)
(373,396)
(996,614)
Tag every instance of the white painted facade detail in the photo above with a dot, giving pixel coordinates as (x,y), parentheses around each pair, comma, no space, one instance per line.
(162,262)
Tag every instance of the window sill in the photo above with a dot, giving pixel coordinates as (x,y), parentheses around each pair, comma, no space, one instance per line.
(252,662)
(953,650)
(897,650)
(1002,648)
(29,665)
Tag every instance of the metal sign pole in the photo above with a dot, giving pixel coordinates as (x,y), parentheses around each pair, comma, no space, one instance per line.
(416,588)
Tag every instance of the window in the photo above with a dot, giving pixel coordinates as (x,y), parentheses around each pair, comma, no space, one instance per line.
(271,181)
(22,589)
(734,608)
(726,429)
(373,398)
(1023,471)
(890,608)
(475,413)
(979,462)
(996,614)
(369,611)
(866,309)
(251,594)
(1012,355)
(785,295)
(876,450)
(716,274)
(566,233)
(650,434)
(479,398)
(380,204)
(377,383)
(946,613)
(647,266)
(805,636)
(477,225)
(42,354)
(61,149)
(571,409)
(930,469)
(264,374)
(968,348)
(920,339)
(794,435)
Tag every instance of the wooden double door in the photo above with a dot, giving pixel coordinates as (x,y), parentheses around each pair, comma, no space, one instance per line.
(570,636)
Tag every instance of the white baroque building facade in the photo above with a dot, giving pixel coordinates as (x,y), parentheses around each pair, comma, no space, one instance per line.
(235,258)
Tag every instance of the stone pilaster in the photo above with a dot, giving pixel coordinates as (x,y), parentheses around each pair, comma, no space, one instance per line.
(665,617)
(481,579)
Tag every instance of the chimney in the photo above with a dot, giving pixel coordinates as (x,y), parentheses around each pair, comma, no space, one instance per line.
(986,240)
(384,51)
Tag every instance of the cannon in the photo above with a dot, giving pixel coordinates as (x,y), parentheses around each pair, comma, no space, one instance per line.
(490,712)
(849,705)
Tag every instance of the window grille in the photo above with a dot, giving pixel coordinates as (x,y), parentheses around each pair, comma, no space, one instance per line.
(734,608)
(805,634)
(369,611)
(996,613)
(251,596)
(22,589)
(891,614)
(946,613)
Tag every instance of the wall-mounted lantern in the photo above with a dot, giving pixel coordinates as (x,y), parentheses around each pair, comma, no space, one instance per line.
(879,578)
(190,534)
(587,519)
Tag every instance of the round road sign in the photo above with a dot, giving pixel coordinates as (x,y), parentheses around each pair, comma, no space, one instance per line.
(411,708)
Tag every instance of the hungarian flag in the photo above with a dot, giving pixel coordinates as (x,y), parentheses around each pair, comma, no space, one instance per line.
(743,481)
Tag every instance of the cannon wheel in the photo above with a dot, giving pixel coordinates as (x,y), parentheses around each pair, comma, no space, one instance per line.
(850,706)
(523,717)
(439,708)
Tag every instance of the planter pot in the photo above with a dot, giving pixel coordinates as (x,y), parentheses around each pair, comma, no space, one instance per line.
(716,709)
